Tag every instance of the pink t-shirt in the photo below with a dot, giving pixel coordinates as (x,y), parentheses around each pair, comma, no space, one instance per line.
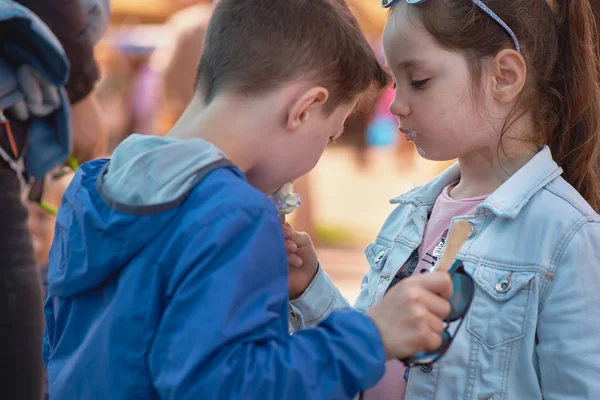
(393,385)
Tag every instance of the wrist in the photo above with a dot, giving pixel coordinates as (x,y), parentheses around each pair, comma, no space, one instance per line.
(379,332)
(315,270)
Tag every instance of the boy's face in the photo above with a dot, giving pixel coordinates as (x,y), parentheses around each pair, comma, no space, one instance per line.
(299,151)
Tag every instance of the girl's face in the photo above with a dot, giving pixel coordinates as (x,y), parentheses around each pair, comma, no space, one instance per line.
(434,100)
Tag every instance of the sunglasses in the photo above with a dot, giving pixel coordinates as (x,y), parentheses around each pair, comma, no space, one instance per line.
(36,191)
(478,3)
(460,302)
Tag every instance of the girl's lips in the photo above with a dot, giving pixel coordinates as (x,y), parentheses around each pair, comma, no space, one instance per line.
(411,136)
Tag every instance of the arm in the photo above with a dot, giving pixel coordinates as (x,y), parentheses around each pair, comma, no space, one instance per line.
(317,302)
(313,294)
(321,297)
(569,321)
(224,331)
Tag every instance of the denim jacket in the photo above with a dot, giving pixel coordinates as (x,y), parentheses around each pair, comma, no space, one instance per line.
(533,329)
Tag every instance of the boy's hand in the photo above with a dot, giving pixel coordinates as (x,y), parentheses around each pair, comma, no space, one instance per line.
(410,316)
(302,260)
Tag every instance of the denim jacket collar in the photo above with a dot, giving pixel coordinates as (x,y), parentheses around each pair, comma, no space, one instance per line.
(506,201)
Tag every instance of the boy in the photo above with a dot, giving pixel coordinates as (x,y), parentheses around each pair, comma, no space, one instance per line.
(168,272)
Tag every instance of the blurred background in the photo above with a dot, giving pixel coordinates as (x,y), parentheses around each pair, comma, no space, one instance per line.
(148,60)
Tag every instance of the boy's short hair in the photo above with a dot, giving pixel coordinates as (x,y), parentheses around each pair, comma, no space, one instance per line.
(253,46)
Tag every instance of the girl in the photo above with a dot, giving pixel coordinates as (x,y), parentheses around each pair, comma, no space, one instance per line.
(509,88)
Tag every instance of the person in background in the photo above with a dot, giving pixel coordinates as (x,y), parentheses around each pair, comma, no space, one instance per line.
(37,103)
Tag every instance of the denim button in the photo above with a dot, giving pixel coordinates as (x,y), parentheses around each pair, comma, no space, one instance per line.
(427,368)
(503,285)
(379,257)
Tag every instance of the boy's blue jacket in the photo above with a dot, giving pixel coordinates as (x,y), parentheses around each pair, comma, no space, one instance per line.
(168,280)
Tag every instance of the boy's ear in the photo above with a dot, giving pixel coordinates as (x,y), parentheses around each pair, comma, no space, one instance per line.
(304,104)
(509,74)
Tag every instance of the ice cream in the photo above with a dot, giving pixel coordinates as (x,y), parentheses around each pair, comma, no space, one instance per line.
(411,136)
(285,200)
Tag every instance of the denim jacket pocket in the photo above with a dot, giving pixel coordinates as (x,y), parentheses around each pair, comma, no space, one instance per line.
(377,255)
(498,313)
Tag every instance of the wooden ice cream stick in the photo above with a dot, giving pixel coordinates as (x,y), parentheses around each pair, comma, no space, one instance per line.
(461,230)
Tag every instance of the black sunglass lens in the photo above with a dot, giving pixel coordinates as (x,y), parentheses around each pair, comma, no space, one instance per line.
(387,3)
(464,289)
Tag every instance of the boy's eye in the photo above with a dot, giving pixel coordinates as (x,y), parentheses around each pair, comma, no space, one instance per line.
(419,84)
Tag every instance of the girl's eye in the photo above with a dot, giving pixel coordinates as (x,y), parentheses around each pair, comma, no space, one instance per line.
(419,84)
